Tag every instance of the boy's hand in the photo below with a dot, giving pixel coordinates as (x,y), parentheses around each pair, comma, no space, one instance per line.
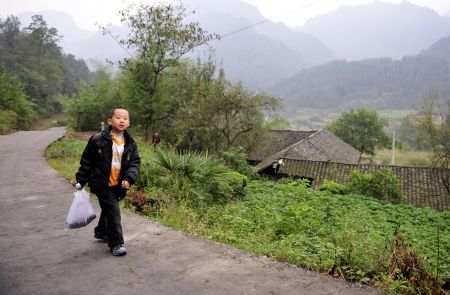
(125,184)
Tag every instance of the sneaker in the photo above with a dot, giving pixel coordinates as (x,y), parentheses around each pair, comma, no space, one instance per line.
(100,237)
(118,250)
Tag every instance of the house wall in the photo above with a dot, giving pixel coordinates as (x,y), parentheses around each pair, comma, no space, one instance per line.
(421,186)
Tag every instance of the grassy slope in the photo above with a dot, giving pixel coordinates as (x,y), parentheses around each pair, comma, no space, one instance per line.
(306,227)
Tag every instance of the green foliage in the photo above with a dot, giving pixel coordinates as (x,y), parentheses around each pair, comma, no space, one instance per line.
(278,123)
(236,159)
(318,230)
(381,184)
(334,188)
(433,123)
(17,110)
(64,156)
(236,111)
(343,235)
(75,71)
(410,136)
(161,36)
(378,83)
(33,56)
(68,148)
(362,129)
(8,121)
(191,177)
(94,103)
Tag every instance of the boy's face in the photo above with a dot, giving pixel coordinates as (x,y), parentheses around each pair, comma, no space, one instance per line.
(120,120)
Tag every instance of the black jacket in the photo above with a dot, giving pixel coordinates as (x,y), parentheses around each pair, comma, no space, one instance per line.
(95,163)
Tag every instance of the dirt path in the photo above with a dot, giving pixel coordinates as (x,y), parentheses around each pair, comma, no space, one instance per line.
(38,257)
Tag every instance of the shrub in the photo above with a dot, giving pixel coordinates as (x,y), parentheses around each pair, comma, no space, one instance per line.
(192,177)
(382,184)
(8,121)
(334,188)
(236,159)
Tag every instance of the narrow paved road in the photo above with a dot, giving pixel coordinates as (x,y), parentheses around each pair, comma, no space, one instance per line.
(38,257)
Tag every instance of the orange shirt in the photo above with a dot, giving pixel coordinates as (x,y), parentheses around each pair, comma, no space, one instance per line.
(117,151)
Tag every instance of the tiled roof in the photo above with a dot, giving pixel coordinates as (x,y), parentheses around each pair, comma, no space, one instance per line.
(319,145)
(275,141)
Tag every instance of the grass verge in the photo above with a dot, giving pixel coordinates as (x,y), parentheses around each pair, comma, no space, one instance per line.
(397,247)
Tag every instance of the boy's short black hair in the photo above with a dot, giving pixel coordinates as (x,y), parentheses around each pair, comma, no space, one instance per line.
(111,113)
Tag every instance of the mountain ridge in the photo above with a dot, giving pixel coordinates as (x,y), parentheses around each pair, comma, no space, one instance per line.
(378,30)
(379,83)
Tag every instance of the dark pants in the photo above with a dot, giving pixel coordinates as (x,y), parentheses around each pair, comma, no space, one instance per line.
(109,221)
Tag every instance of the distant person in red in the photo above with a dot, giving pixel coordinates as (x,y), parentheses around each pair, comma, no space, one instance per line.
(155,139)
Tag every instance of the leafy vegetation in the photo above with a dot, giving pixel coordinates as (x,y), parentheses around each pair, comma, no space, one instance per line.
(94,102)
(381,184)
(161,38)
(191,177)
(16,111)
(354,237)
(34,72)
(434,124)
(362,129)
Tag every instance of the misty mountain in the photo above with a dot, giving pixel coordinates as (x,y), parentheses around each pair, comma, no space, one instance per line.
(250,57)
(381,83)
(257,56)
(65,25)
(239,14)
(378,30)
(81,43)
(440,50)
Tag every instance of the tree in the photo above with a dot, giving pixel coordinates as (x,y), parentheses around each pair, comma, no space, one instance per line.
(433,122)
(409,136)
(42,63)
(9,33)
(160,37)
(190,85)
(75,71)
(362,129)
(16,111)
(235,111)
(93,103)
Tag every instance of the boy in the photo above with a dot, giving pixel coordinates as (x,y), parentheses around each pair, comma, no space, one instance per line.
(110,164)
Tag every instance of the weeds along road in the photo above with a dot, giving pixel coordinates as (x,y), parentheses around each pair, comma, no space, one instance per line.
(38,257)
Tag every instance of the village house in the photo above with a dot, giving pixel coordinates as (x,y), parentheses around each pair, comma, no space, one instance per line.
(316,145)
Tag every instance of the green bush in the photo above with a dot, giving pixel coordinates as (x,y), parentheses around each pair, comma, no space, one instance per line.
(236,159)
(191,177)
(14,101)
(8,121)
(334,187)
(381,184)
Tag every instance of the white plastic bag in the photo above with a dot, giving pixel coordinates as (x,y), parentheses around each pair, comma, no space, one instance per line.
(81,212)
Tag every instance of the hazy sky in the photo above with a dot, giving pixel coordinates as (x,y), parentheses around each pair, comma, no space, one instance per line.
(87,12)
